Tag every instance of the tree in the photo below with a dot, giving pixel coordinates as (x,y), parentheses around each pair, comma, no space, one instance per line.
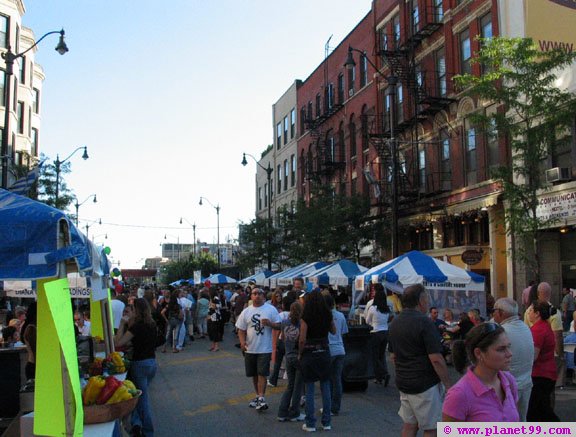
(254,240)
(534,118)
(47,185)
(185,268)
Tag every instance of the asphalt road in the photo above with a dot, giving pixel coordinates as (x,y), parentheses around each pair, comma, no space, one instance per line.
(202,393)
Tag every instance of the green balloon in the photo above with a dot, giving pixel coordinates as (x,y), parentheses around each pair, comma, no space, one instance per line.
(107,250)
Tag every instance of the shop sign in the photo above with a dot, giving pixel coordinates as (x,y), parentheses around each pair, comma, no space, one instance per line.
(471,257)
(557,206)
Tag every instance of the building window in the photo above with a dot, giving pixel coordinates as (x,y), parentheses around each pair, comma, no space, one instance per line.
(259,198)
(36,100)
(351,81)
(285,129)
(266,199)
(340,89)
(34,141)
(415,17)
(465,52)
(302,120)
(309,114)
(29,121)
(2,86)
(293,171)
(396,31)
(286,172)
(438,11)
(4,31)
(278,135)
(279,182)
(352,138)
(353,186)
(331,146)
(330,96)
(470,151)
(492,152)
(399,103)
(445,169)
(23,70)
(20,112)
(441,72)
(318,105)
(363,70)
(364,129)
(341,146)
(292,123)
(422,166)
(486,26)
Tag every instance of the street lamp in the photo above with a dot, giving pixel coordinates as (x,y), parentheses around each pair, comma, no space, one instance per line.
(217,208)
(194,232)
(392,81)
(178,242)
(268,171)
(58,168)
(9,59)
(78,205)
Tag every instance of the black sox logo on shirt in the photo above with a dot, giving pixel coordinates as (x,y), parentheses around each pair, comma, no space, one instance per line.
(257,325)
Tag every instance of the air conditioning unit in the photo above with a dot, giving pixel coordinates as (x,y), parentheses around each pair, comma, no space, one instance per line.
(350,92)
(557,174)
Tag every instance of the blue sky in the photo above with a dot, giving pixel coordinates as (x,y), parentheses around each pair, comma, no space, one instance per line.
(167,99)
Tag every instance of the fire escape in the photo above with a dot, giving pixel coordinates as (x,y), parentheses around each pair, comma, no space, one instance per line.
(327,157)
(420,94)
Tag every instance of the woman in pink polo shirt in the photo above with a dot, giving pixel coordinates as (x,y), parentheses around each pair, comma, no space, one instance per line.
(487,392)
(544,367)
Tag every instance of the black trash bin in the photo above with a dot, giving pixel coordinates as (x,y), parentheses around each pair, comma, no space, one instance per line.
(358,367)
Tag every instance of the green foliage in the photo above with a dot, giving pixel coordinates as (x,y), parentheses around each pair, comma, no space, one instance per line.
(47,185)
(330,227)
(534,117)
(185,268)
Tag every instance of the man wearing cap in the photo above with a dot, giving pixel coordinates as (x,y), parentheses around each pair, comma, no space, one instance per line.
(256,342)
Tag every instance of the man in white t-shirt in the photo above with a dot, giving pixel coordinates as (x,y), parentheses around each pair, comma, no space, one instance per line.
(117,311)
(256,343)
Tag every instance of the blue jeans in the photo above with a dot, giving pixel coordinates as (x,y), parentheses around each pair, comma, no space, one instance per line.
(141,373)
(173,331)
(326,416)
(280,350)
(336,367)
(290,402)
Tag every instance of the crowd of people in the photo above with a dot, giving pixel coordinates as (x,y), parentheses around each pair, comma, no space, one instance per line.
(510,364)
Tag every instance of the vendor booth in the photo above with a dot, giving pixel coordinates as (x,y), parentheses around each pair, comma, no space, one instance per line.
(338,274)
(41,244)
(449,286)
(257,278)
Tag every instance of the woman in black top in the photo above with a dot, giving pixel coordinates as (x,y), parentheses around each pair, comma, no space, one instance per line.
(175,316)
(314,355)
(140,330)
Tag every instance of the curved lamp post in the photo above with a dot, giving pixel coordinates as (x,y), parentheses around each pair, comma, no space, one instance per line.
(392,82)
(194,232)
(58,168)
(78,205)
(217,208)
(268,171)
(9,58)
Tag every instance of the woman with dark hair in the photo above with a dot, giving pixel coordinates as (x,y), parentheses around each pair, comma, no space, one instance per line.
(544,367)
(174,315)
(314,355)
(378,318)
(29,338)
(488,391)
(140,330)
(215,321)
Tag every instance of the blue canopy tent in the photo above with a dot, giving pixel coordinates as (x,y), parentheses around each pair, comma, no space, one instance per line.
(300,272)
(271,281)
(219,278)
(257,278)
(341,273)
(35,239)
(450,286)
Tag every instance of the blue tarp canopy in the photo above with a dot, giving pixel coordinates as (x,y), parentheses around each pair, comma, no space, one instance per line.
(30,232)
(418,268)
(219,278)
(340,273)
(287,276)
(257,278)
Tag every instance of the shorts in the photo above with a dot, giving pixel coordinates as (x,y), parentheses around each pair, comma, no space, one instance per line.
(423,409)
(257,364)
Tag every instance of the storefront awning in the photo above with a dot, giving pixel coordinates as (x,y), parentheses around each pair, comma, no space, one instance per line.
(473,205)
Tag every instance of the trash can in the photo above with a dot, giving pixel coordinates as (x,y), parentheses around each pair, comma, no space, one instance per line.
(358,367)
